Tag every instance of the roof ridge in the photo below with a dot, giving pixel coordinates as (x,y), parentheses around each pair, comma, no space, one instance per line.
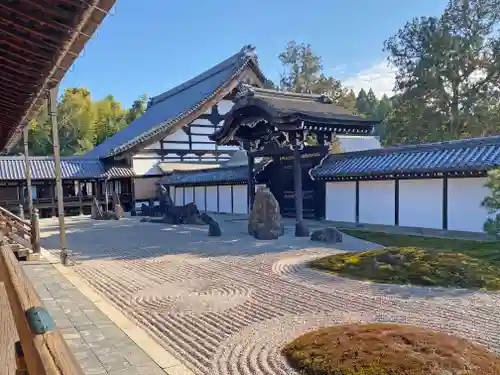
(251,90)
(424,147)
(246,52)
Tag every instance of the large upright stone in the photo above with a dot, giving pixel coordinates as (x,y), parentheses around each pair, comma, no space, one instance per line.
(96,210)
(115,198)
(264,221)
(119,211)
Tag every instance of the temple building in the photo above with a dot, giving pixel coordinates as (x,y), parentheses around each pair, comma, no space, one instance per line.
(217,137)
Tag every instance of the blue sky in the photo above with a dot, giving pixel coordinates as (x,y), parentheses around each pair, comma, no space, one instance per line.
(150,46)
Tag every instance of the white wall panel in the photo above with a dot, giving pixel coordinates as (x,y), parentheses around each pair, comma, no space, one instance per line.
(212,198)
(341,201)
(145,164)
(464,204)
(376,202)
(240,199)
(225,198)
(188,195)
(421,203)
(179,196)
(199,197)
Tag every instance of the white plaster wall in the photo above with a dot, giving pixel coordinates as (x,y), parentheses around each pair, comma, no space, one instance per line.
(240,199)
(421,203)
(225,198)
(464,204)
(189,191)
(212,198)
(179,196)
(341,201)
(199,197)
(376,202)
(144,164)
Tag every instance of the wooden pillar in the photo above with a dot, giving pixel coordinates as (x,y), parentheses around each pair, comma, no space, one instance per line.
(35,233)
(251,183)
(356,209)
(133,211)
(80,197)
(396,202)
(52,104)
(52,187)
(28,169)
(445,202)
(301,229)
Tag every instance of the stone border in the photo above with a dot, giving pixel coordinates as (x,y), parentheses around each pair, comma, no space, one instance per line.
(168,363)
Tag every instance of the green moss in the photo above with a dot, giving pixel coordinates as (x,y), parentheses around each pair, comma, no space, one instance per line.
(417,266)
(386,349)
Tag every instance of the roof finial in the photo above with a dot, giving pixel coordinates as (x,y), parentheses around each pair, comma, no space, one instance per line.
(249,50)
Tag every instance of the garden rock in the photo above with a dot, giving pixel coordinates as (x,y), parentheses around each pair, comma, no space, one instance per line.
(264,221)
(96,210)
(214,229)
(329,235)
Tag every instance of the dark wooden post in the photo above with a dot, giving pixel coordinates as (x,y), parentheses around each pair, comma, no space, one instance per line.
(35,232)
(28,169)
(80,198)
(301,229)
(251,183)
(53,198)
(52,104)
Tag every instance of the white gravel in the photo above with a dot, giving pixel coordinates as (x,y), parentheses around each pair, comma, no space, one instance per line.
(226,305)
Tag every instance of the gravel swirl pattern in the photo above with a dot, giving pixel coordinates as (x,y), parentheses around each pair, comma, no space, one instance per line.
(226,306)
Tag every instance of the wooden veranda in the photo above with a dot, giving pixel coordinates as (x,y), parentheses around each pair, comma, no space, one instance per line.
(39,41)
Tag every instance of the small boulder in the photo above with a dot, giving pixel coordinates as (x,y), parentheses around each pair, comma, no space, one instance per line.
(206,218)
(214,229)
(110,215)
(144,209)
(329,235)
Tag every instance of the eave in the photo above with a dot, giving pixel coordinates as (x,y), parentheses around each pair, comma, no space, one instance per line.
(41,40)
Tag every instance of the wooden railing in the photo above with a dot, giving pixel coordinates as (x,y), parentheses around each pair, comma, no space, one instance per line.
(41,349)
(22,232)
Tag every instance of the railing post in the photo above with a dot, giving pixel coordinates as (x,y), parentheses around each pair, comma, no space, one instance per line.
(35,232)
(21,211)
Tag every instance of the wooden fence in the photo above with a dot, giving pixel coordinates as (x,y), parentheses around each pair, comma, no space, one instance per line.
(39,348)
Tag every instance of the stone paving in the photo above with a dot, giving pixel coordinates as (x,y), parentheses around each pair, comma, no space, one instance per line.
(226,305)
(98,344)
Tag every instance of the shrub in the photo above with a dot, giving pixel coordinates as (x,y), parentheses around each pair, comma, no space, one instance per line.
(492,203)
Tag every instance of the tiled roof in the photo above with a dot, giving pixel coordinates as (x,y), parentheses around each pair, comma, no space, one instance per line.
(290,110)
(211,176)
(42,168)
(166,110)
(476,154)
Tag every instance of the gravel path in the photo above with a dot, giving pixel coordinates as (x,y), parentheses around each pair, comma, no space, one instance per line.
(226,305)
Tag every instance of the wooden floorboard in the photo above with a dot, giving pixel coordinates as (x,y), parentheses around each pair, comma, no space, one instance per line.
(8,335)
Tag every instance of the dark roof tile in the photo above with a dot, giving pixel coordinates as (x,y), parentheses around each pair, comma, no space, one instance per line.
(42,168)
(476,154)
(166,109)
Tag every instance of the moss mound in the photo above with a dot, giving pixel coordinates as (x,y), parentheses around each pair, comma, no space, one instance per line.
(417,266)
(387,349)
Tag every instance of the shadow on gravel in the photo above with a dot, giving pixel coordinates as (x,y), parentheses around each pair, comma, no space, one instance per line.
(131,239)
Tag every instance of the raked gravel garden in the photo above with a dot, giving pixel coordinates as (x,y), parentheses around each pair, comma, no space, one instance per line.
(235,305)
